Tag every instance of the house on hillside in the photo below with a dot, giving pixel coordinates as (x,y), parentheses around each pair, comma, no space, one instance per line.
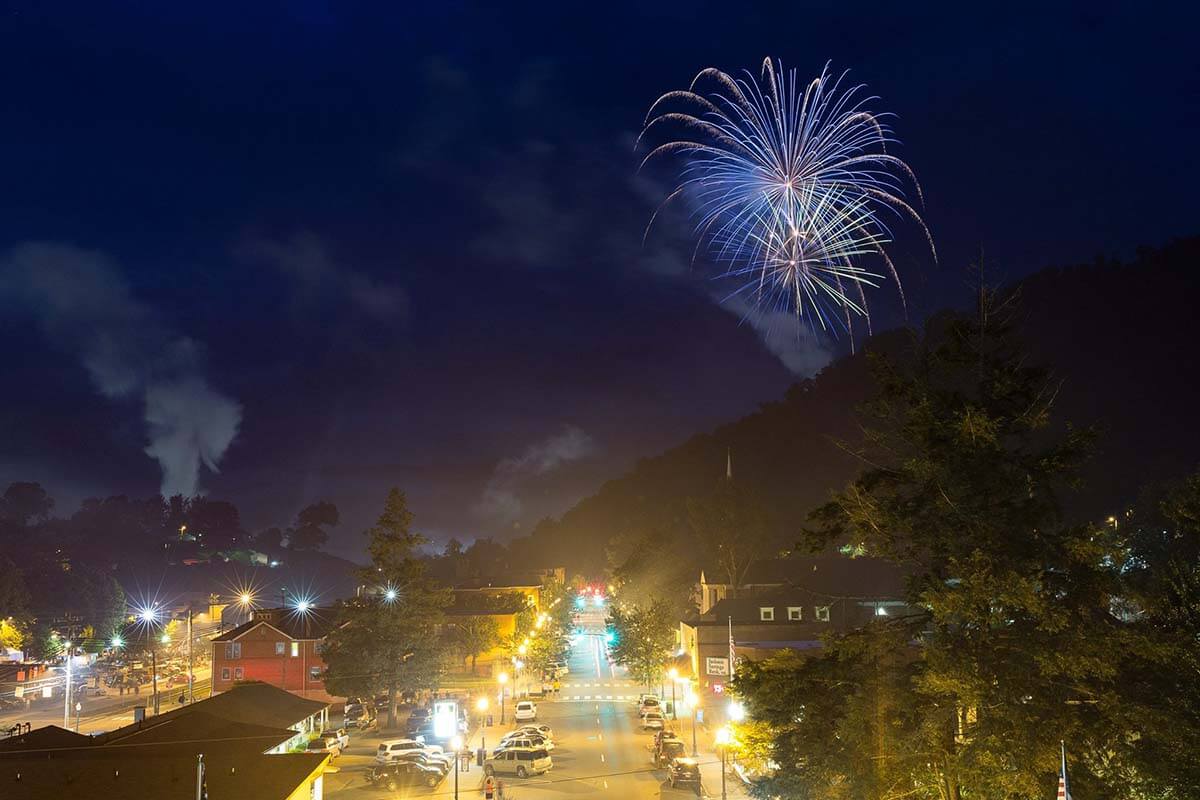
(783,604)
(277,646)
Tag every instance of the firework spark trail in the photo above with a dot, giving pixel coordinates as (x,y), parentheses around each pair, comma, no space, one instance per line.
(791,184)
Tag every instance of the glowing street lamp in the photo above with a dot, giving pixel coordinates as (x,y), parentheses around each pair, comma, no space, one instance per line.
(390,595)
(724,739)
(737,711)
(117,642)
(148,614)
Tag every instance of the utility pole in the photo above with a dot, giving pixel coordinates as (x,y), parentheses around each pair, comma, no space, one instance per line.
(191,672)
(154,673)
(200,776)
(67,692)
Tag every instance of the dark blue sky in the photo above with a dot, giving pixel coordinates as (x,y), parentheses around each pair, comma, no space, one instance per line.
(406,240)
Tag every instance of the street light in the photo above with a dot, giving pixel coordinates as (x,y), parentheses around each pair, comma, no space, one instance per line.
(502,679)
(456,744)
(724,739)
(737,711)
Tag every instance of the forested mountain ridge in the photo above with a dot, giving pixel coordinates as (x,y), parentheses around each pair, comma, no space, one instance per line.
(1114,334)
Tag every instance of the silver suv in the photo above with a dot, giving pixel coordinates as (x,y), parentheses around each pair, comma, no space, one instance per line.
(521,762)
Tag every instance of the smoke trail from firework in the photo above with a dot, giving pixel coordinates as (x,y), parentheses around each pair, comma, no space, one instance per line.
(792,185)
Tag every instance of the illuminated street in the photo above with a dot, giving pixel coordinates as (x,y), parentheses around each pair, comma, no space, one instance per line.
(599,749)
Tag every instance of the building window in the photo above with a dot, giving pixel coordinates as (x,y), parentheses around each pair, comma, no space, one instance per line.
(279,648)
(822,613)
(224,673)
(233,650)
(238,674)
(295,649)
(766,614)
(795,613)
(314,674)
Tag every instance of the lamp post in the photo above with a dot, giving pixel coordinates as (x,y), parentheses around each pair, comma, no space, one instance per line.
(502,678)
(67,689)
(457,744)
(693,700)
(724,739)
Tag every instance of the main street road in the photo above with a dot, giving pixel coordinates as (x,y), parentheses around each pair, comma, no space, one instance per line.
(600,752)
(108,712)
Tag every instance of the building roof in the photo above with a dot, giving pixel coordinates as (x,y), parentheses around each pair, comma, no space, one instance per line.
(198,727)
(835,575)
(258,704)
(50,736)
(316,623)
(115,773)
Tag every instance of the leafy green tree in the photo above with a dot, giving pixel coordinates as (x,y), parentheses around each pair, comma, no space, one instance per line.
(310,531)
(476,635)
(25,503)
(390,646)
(1017,646)
(642,638)
(732,526)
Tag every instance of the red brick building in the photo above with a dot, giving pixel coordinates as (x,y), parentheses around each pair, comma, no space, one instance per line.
(281,647)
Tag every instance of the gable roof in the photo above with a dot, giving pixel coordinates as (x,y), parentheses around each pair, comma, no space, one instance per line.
(257,704)
(50,736)
(198,727)
(316,623)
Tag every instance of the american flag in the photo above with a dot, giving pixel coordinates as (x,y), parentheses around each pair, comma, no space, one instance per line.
(1064,788)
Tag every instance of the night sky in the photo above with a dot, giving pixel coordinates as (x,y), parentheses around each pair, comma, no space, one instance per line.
(400,244)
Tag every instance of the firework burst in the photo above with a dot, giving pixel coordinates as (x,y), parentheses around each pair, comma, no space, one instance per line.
(793,185)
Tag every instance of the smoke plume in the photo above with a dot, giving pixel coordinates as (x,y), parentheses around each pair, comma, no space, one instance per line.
(500,498)
(84,305)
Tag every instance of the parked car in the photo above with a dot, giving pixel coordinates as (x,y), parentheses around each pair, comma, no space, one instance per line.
(520,740)
(652,720)
(519,762)
(417,719)
(325,743)
(393,749)
(359,716)
(526,711)
(390,749)
(684,772)
(649,703)
(544,730)
(425,760)
(403,774)
(669,750)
